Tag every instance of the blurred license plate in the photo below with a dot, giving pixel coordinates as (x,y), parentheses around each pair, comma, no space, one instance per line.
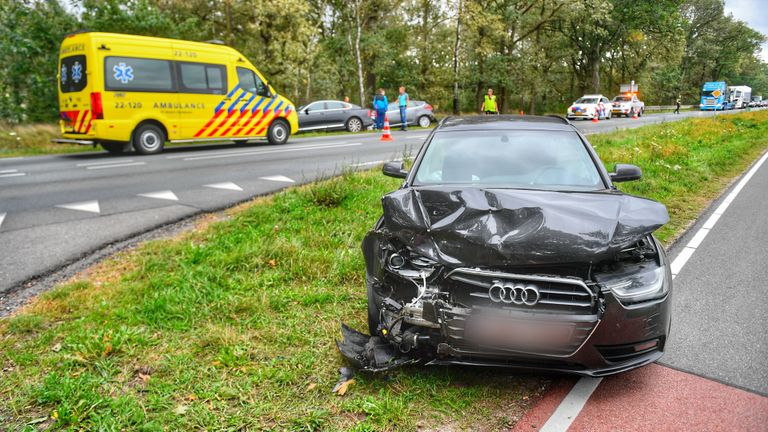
(514,333)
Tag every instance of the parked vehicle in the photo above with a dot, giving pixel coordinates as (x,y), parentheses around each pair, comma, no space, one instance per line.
(418,113)
(740,96)
(334,115)
(713,96)
(124,91)
(627,105)
(508,245)
(590,107)
(756,101)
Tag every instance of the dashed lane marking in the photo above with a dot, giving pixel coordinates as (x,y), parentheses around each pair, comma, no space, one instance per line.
(278,178)
(573,403)
(164,195)
(115,165)
(16,174)
(257,153)
(8,171)
(225,186)
(109,162)
(2,218)
(86,206)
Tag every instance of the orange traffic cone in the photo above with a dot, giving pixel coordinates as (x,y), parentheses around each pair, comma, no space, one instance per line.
(386,136)
(634,114)
(595,118)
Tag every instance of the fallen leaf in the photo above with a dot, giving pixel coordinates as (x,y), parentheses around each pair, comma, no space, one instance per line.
(56,348)
(311,386)
(277,228)
(144,378)
(272,263)
(107,349)
(192,397)
(180,410)
(342,387)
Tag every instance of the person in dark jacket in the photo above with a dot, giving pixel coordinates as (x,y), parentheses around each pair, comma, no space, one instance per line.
(380,105)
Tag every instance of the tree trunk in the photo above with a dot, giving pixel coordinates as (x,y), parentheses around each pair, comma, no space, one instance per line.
(456,61)
(358,30)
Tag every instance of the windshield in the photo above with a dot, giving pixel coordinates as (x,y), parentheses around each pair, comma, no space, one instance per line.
(707,93)
(554,160)
(586,101)
(621,99)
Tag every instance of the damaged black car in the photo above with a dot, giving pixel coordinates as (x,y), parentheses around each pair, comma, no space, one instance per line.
(508,245)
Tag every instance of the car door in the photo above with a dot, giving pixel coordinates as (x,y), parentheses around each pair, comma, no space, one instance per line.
(312,116)
(336,114)
(393,112)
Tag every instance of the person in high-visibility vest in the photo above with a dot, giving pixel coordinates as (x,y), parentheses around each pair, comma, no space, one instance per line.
(489,105)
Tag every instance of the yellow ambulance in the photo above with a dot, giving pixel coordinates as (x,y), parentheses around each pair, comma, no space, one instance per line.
(124,91)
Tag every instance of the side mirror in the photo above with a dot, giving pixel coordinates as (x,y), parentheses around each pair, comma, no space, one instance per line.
(306,110)
(395,169)
(625,172)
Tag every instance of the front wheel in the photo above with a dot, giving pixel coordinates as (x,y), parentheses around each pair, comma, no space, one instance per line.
(354,124)
(148,139)
(424,121)
(278,132)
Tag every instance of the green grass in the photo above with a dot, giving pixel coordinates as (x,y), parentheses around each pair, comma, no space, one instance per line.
(232,326)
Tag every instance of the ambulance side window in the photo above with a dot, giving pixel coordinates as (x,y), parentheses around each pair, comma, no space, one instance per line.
(202,78)
(138,74)
(251,82)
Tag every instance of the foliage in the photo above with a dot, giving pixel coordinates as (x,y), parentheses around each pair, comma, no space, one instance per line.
(539,55)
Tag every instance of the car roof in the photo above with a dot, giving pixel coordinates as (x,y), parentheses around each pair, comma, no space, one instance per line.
(592,96)
(505,122)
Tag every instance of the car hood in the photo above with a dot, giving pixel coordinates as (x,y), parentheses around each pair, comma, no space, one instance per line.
(472,226)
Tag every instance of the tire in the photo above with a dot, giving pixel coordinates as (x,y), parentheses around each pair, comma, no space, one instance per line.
(354,124)
(114,148)
(148,139)
(278,132)
(641,112)
(424,121)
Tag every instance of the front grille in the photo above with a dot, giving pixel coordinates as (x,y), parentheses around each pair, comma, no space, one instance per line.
(545,294)
(455,323)
(710,102)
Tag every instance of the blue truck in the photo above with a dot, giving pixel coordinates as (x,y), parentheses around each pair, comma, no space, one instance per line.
(714,96)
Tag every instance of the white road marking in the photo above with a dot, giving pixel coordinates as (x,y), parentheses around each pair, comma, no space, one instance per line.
(253,150)
(109,162)
(256,153)
(116,165)
(278,178)
(378,162)
(86,206)
(13,175)
(2,218)
(573,403)
(226,186)
(8,171)
(164,195)
(571,406)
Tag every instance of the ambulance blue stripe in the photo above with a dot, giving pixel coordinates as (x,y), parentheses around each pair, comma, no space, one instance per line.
(232,105)
(229,95)
(269,104)
(247,103)
(258,104)
(278,106)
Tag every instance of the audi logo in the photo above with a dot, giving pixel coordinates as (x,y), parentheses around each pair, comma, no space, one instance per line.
(517,293)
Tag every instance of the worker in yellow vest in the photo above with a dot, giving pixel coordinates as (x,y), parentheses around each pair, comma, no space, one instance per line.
(489,105)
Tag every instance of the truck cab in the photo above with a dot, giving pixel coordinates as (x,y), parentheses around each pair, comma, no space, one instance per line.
(713,96)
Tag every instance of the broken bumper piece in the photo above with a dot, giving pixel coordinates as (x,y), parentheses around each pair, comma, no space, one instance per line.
(371,353)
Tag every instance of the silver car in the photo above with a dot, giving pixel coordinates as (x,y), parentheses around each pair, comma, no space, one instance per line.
(418,113)
(331,114)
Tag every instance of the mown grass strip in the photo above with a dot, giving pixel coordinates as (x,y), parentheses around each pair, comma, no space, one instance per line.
(233,325)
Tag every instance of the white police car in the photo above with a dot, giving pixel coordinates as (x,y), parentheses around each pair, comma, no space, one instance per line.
(590,107)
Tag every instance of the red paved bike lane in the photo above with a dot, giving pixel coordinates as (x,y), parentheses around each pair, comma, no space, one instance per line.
(656,398)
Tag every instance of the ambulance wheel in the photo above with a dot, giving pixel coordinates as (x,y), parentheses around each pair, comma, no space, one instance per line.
(148,139)
(114,148)
(278,132)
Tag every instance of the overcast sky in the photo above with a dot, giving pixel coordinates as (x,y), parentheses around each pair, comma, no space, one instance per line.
(754,13)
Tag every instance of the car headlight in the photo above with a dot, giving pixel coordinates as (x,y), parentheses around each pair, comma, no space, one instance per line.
(644,285)
(410,265)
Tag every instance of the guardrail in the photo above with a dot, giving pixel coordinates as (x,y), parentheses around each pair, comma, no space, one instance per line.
(668,107)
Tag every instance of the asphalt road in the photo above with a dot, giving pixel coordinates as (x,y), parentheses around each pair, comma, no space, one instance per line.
(57,209)
(720,302)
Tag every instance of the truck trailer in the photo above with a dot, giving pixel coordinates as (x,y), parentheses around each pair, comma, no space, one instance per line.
(740,96)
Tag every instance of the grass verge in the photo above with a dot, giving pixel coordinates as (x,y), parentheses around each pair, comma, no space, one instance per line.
(232,326)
